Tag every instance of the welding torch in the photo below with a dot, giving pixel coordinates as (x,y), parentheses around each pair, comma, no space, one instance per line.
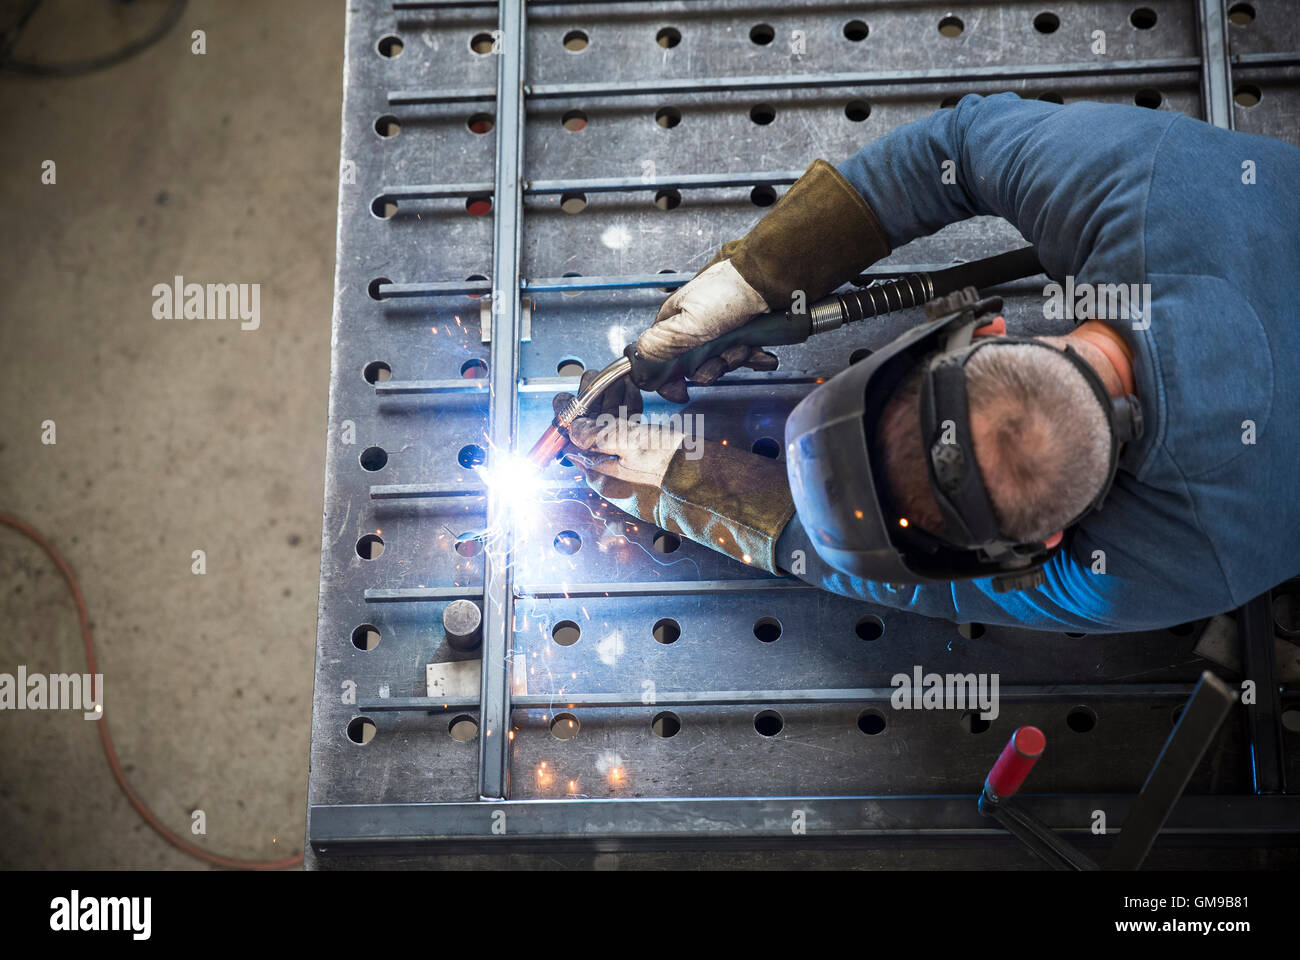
(782,328)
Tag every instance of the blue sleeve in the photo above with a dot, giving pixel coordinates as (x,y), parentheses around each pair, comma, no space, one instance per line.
(1073,180)
(1091,588)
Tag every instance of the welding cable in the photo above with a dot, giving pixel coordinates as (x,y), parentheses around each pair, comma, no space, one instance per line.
(180,843)
(77,68)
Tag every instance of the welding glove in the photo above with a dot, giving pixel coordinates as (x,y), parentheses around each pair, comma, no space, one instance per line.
(734,501)
(820,234)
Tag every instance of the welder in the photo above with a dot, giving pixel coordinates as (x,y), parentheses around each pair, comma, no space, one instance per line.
(1137,473)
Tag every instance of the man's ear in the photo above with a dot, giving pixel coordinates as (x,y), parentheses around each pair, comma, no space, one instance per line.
(1054,539)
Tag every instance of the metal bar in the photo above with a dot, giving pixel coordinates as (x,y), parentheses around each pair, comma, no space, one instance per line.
(737,698)
(1264,716)
(541,188)
(1041,839)
(400,595)
(687,181)
(403,291)
(503,374)
(1288,59)
(397,388)
(696,822)
(666,588)
(1192,735)
(414,5)
(1216,74)
(424,491)
(874,78)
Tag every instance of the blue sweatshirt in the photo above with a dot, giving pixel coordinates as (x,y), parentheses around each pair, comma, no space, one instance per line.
(1205,511)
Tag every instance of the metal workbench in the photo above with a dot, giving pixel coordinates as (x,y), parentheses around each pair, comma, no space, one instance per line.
(518,188)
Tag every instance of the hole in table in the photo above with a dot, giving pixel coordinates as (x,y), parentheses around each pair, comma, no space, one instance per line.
(1081,719)
(668,117)
(471,455)
(365,637)
(871,722)
(666,630)
(857,110)
(666,542)
(361,730)
(870,627)
(1144,18)
(666,724)
(373,458)
(566,633)
(463,728)
(568,542)
(564,726)
(668,199)
(951,26)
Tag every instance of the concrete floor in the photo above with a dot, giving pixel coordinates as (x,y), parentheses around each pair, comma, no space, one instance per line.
(172,435)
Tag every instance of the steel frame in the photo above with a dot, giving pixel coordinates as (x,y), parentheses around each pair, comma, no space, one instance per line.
(666,823)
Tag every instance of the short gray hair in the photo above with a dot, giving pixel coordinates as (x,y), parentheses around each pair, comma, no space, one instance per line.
(1041,438)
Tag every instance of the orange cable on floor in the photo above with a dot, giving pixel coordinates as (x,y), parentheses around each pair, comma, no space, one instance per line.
(110,753)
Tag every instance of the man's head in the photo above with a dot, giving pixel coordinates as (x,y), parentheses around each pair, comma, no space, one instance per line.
(1041,440)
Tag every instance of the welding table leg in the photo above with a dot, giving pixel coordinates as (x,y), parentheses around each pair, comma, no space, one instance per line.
(1204,714)
(1264,716)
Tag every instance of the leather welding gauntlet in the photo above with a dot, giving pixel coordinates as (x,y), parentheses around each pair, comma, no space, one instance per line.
(734,501)
(820,234)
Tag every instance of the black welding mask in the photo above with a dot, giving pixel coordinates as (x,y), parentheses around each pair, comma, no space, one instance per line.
(838,482)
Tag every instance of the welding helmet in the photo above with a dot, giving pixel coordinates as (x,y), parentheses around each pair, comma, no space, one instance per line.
(837,476)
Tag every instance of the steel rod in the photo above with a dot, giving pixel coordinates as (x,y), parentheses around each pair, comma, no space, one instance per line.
(503,375)
(701,822)
(874,78)
(735,698)
(1195,731)
(1216,74)
(1264,716)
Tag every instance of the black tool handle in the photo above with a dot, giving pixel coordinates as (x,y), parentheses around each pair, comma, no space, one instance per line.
(781,328)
